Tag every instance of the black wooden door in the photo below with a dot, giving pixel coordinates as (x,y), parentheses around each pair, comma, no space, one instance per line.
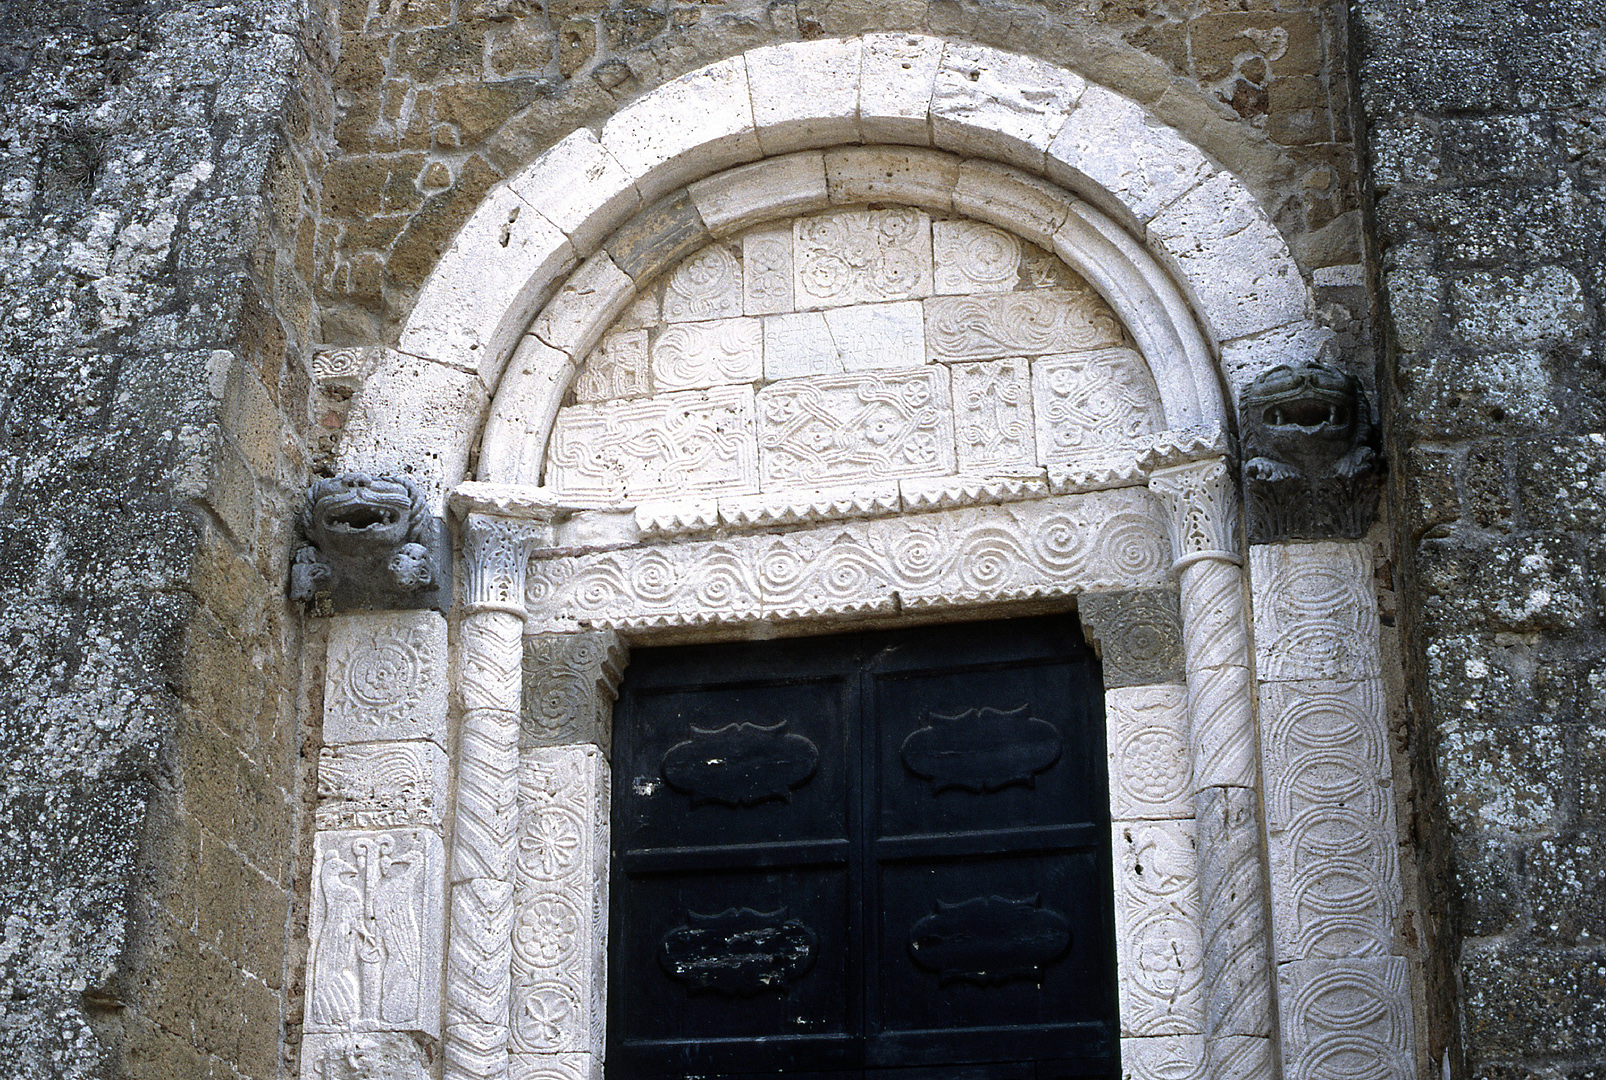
(874,852)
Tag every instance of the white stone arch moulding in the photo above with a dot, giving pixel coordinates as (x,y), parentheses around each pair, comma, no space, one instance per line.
(1008,140)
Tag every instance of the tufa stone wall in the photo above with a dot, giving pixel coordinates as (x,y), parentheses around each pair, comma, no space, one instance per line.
(438,100)
(157,263)
(1487,156)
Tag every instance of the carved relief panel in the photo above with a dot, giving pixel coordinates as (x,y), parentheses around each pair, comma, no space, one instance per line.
(848,347)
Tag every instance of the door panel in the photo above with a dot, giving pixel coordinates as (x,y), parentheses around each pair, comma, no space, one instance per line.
(870,856)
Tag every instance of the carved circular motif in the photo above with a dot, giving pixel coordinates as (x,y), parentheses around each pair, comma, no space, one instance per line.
(547,932)
(1133,546)
(918,557)
(383,679)
(550,846)
(545,1016)
(653,578)
(1154,765)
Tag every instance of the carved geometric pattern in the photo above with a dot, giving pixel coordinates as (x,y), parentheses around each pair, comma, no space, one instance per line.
(381,785)
(1088,402)
(566,1066)
(692,356)
(1346,1018)
(1237,965)
(1222,727)
(1030,323)
(1147,736)
(993,415)
(1050,547)
(558,956)
(475,1051)
(1241,1057)
(1157,908)
(707,285)
(1164,1057)
(616,368)
(767,271)
(570,681)
(695,440)
(1139,634)
(1213,598)
(968,257)
(832,429)
(862,256)
(375,931)
(1315,611)
(1334,868)
(385,677)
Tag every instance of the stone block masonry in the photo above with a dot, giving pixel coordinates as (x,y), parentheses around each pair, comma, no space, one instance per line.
(157,233)
(1486,161)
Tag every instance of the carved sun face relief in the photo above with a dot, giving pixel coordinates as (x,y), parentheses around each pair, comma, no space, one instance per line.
(850,347)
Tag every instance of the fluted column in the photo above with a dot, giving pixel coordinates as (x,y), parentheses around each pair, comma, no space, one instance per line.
(1202,504)
(496,554)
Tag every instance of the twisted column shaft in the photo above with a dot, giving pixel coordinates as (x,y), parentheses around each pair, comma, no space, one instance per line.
(1202,504)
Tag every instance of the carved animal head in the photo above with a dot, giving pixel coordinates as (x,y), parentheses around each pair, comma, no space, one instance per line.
(362,516)
(1290,408)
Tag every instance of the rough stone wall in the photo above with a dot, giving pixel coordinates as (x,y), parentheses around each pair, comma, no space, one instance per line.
(1487,149)
(156,256)
(439,99)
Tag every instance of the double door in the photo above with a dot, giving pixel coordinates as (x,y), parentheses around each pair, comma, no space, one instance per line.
(882,851)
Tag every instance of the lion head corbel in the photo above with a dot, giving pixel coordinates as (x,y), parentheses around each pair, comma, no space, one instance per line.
(367,542)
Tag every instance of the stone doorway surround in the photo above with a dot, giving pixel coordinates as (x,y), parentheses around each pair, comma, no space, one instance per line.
(1258,886)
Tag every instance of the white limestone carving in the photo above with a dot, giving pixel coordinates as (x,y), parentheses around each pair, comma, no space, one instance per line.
(559,960)
(343,368)
(753,194)
(375,931)
(1047,547)
(948,492)
(969,257)
(570,682)
(1202,503)
(877,335)
(1087,402)
(376,1055)
(861,256)
(1346,1018)
(833,429)
(1147,743)
(993,416)
(616,368)
(559,1066)
(1237,957)
(767,270)
(1030,323)
(706,285)
(656,518)
(385,677)
(798,344)
(1158,946)
(855,175)
(381,785)
(695,440)
(1165,1057)
(696,355)
(794,507)
(1315,611)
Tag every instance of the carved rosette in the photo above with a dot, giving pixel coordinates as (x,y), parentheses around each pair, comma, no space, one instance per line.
(570,682)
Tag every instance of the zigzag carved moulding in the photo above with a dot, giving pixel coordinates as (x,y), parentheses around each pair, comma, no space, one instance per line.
(1052,547)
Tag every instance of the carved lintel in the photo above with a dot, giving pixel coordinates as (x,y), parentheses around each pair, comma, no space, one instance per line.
(1310,455)
(570,683)
(1138,633)
(496,555)
(1201,503)
(369,542)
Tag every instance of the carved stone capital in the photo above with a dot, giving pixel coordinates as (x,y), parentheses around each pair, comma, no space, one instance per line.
(1201,502)
(570,682)
(496,555)
(1138,632)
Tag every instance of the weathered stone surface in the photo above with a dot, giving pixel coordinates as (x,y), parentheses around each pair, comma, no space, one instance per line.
(386,678)
(1139,635)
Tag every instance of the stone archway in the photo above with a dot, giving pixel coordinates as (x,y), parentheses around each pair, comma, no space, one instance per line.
(1210,258)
